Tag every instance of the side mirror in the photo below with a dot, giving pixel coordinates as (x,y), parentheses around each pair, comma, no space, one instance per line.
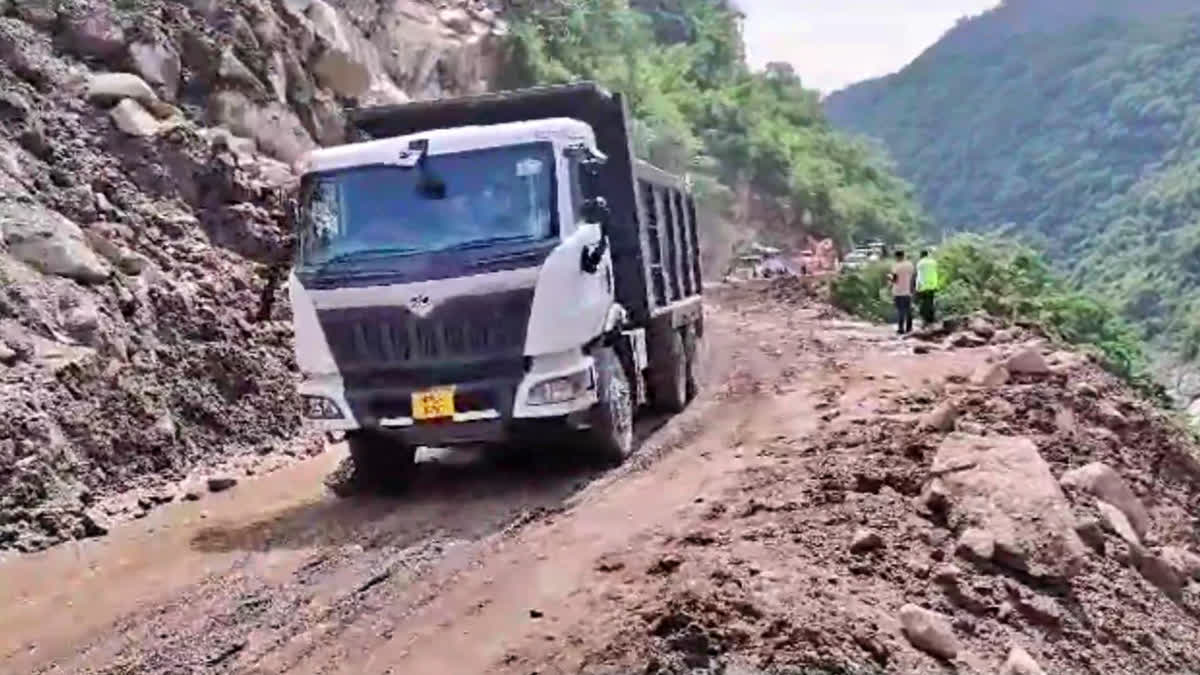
(595,210)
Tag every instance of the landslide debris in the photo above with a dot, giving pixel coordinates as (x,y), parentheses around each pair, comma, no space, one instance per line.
(1048,525)
(144,150)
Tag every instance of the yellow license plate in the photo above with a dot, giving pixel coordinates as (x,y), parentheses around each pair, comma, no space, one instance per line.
(433,404)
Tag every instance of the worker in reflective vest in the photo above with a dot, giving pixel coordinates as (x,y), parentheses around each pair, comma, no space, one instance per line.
(927,286)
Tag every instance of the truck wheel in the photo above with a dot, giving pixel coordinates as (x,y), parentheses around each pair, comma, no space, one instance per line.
(376,463)
(671,377)
(611,433)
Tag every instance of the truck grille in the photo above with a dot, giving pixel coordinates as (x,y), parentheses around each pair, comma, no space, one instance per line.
(465,329)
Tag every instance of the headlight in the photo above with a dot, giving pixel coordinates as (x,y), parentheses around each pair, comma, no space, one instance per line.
(321,408)
(561,389)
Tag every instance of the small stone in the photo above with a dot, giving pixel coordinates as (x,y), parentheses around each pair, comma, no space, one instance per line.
(967,341)
(941,418)
(8,355)
(665,565)
(95,524)
(976,543)
(1028,362)
(865,541)
(929,631)
(946,574)
(220,484)
(1019,662)
(969,427)
(921,349)
(1092,534)
(535,614)
(131,118)
(1004,335)
(191,496)
(990,375)
(1085,390)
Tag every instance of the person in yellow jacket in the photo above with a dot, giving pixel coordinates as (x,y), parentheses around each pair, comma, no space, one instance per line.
(927,287)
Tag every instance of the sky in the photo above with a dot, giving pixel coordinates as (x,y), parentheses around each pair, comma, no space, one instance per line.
(834,43)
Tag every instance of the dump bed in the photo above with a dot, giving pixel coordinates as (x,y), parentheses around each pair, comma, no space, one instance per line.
(655,244)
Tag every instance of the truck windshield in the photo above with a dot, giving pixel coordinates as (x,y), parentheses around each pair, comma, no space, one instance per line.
(478,198)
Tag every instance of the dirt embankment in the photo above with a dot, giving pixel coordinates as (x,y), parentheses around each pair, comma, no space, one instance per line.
(835,502)
(143,146)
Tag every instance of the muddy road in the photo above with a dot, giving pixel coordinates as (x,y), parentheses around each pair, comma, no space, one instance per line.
(730,515)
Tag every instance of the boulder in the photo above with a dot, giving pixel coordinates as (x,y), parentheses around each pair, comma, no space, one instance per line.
(159,65)
(275,128)
(981,327)
(38,13)
(221,483)
(929,631)
(1101,481)
(95,32)
(232,70)
(1028,362)
(49,242)
(941,418)
(131,118)
(1115,521)
(1001,485)
(990,375)
(343,58)
(456,19)
(1019,662)
(109,88)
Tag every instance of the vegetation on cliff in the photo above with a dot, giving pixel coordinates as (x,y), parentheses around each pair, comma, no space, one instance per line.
(1073,125)
(701,110)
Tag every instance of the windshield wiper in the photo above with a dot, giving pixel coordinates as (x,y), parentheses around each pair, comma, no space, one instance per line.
(367,253)
(482,243)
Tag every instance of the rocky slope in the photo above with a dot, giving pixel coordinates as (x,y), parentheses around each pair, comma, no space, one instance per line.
(144,149)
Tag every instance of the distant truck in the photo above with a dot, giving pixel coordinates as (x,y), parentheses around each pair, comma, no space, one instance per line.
(493,270)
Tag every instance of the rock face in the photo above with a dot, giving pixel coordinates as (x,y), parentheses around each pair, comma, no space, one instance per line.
(929,631)
(142,149)
(1102,482)
(1002,486)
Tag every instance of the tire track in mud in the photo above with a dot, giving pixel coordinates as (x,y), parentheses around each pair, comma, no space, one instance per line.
(302,581)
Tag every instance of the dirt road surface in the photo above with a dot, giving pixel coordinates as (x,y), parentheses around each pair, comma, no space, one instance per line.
(544,565)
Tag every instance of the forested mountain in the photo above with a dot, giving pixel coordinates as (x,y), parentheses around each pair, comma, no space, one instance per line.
(1075,124)
(701,110)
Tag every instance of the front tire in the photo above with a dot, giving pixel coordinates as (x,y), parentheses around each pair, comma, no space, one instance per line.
(377,462)
(611,433)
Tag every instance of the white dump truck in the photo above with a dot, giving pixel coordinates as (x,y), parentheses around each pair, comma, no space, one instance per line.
(493,270)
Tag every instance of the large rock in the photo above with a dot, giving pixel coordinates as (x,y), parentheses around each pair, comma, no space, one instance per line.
(95,32)
(929,631)
(1028,362)
(1115,521)
(274,127)
(49,242)
(1159,571)
(42,14)
(1001,485)
(159,65)
(1102,482)
(108,88)
(131,118)
(344,58)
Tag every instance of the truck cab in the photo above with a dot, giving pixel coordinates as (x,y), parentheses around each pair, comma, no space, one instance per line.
(457,286)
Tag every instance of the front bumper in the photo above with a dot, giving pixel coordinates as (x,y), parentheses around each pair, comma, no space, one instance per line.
(487,409)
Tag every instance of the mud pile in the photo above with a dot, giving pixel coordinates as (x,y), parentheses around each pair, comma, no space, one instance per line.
(144,150)
(1034,511)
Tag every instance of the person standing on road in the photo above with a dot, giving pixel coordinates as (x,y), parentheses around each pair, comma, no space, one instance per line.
(927,286)
(903,278)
